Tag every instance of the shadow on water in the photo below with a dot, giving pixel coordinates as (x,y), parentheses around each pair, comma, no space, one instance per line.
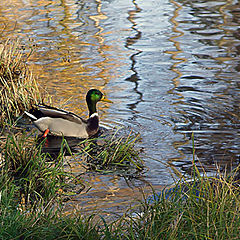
(54,144)
(70,145)
(130,41)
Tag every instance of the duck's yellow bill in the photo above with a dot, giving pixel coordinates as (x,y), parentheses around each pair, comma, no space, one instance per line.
(105,100)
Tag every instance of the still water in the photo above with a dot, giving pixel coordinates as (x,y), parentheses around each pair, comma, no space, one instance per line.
(170,67)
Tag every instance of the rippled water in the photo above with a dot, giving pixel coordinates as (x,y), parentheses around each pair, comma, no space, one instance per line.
(171,68)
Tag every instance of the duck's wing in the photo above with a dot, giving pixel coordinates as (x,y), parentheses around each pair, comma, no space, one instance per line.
(53,112)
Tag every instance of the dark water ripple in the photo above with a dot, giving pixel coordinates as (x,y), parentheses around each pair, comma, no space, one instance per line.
(210,103)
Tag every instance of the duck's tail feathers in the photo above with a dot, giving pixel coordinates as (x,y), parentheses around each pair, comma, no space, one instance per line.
(32,117)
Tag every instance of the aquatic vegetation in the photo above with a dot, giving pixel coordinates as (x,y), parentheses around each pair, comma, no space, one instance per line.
(37,176)
(204,208)
(17,223)
(18,88)
(30,181)
(213,214)
(112,153)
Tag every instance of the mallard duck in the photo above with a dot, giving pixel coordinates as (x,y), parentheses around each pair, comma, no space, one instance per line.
(59,122)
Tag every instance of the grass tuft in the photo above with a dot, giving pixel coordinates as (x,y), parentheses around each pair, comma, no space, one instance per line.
(118,152)
(36,174)
(17,223)
(18,88)
(204,208)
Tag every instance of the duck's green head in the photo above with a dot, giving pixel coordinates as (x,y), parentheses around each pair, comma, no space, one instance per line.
(94,96)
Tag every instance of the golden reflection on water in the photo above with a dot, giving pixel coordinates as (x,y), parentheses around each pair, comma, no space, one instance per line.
(224,42)
(109,193)
(64,61)
(176,44)
(177,61)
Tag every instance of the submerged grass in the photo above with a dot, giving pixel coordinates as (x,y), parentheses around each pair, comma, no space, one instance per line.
(18,88)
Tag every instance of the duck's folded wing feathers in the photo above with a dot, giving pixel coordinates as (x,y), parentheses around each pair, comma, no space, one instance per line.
(59,113)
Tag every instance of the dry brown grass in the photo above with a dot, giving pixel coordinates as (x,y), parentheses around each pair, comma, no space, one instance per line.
(18,88)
